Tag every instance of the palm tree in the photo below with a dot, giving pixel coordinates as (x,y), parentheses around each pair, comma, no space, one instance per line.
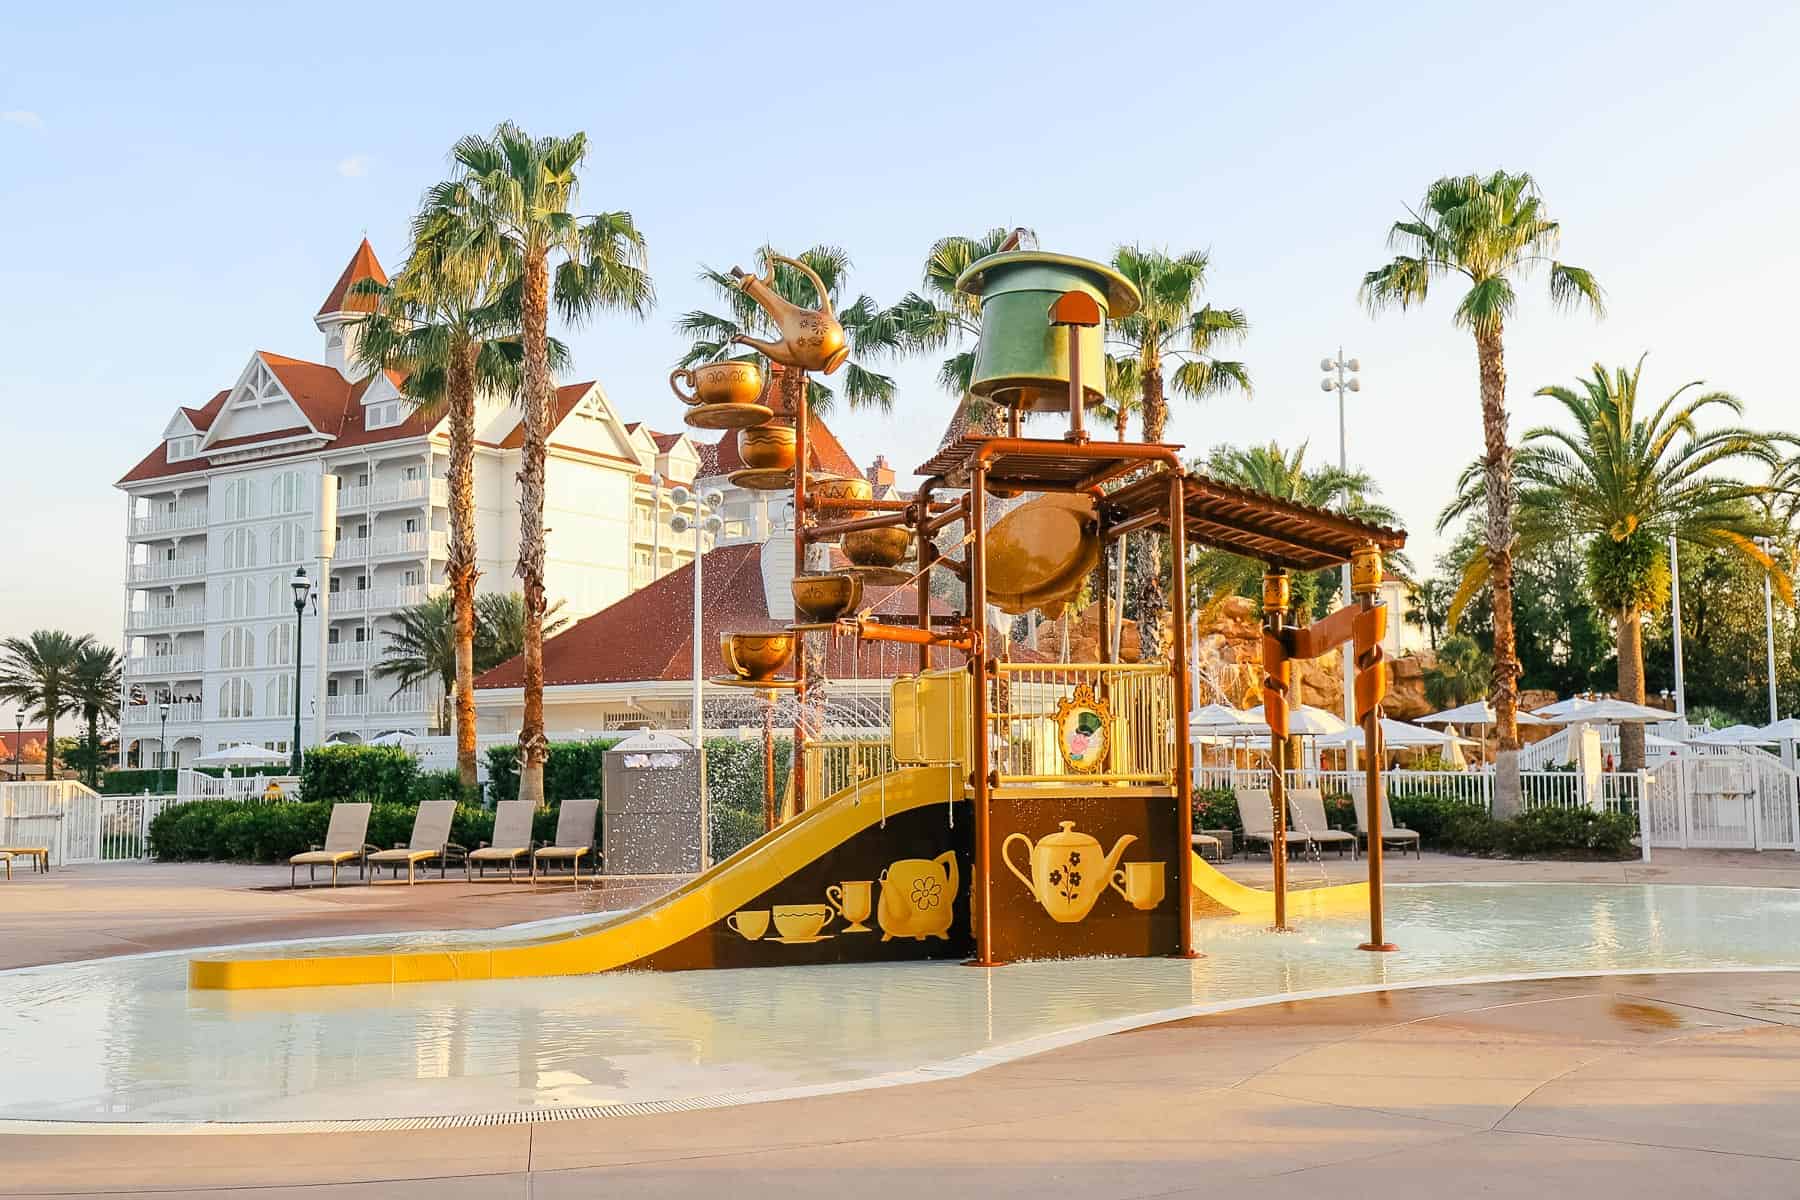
(424,647)
(1621,483)
(1286,476)
(37,674)
(872,331)
(514,203)
(1431,605)
(1488,231)
(94,689)
(1172,325)
(1460,674)
(500,632)
(939,317)
(450,325)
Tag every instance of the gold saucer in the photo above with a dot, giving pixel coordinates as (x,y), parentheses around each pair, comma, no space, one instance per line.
(727,416)
(764,479)
(805,941)
(878,576)
(763,685)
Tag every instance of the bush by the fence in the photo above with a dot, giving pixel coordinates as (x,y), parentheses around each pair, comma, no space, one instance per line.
(132,781)
(573,770)
(734,790)
(1464,828)
(1216,808)
(443,785)
(260,831)
(383,773)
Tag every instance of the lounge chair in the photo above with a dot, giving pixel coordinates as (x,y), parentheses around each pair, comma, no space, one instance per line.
(346,841)
(430,839)
(1397,836)
(574,837)
(1256,813)
(512,838)
(1310,824)
(1207,846)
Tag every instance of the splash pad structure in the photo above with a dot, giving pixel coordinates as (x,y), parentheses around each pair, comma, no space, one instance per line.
(1010,808)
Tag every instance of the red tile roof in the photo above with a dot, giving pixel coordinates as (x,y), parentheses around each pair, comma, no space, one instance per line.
(362,265)
(648,634)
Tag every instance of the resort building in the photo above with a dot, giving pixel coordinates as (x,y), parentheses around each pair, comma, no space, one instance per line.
(232,499)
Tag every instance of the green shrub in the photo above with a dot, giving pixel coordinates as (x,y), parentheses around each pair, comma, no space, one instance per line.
(1541,831)
(1216,808)
(1426,813)
(573,770)
(1468,829)
(442,785)
(132,781)
(1340,811)
(259,831)
(351,772)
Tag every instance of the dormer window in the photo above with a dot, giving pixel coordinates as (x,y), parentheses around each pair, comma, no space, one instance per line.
(380,416)
(182,447)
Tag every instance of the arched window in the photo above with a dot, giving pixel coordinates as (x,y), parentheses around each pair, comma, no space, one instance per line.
(240,499)
(281,645)
(280,697)
(237,598)
(285,491)
(237,698)
(237,648)
(240,549)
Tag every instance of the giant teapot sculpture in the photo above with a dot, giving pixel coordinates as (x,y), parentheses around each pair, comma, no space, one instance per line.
(811,339)
(1069,872)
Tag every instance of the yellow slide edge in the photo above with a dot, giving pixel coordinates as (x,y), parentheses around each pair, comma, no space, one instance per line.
(1226,892)
(665,921)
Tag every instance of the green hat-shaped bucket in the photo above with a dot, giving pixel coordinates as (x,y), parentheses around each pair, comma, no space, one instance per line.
(1022,359)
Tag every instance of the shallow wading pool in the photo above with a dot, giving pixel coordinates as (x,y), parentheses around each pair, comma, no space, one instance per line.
(123,1040)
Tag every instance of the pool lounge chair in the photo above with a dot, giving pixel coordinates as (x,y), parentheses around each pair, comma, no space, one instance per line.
(346,839)
(1395,836)
(1256,813)
(1207,846)
(1310,824)
(512,838)
(574,837)
(430,839)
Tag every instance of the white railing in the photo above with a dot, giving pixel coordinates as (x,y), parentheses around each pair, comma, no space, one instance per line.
(165,664)
(350,654)
(60,815)
(344,706)
(351,550)
(150,715)
(409,701)
(170,522)
(1619,791)
(251,785)
(166,618)
(1023,737)
(439,753)
(161,569)
(398,543)
(1740,801)
(373,599)
(440,493)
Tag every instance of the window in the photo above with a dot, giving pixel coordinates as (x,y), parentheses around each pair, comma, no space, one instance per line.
(236,598)
(411,578)
(362,531)
(380,416)
(412,524)
(237,648)
(240,549)
(362,634)
(331,688)
(240,499)
(358,685)
(182,447)
(331,636)
(287,542)
(412,474)
(362,583)
(280,698)
(237,698)
(285,492)
(281,645)
(334,584)
(362,479)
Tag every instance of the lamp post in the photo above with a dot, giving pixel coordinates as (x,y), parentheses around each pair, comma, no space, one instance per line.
(1675,636)
(302,589)
(18,745)
(656,482)
(1344,380)
(1768,547)
(162,745)
(704,521)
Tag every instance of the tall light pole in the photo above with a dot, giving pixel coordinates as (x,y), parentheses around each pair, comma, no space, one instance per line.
(19,740)
(302,589)
(1768,547)
(656,482)
(1343,381)
(704,521)
(162,745)
(1675,636)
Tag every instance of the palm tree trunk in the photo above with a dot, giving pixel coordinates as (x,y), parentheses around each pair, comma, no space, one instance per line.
(533,746)
(1490,353)
(1122,423)
(1147,550)
(461,567)
(93,741)
(51,704)
(1631,685)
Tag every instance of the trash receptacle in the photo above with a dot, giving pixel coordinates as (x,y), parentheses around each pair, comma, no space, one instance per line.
(652,806)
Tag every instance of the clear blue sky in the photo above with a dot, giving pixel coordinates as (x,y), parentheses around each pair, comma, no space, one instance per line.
(180,184)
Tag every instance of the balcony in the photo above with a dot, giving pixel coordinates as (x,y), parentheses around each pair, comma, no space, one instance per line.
(164,665)
(344,706)
(351,550)
(169,522)
(350,654)
(163,570)
(150,715)
(377,599)
(379,495)
(189,616)
(410,702)
(440,493)
(399,545)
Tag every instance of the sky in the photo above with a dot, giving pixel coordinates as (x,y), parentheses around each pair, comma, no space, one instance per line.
(181,184)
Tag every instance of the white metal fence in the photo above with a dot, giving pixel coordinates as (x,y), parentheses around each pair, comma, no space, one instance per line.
(1618,791)
(1726,802)
(78,825)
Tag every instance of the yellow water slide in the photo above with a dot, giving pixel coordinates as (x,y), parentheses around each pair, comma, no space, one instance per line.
(685,911)
(1216,891)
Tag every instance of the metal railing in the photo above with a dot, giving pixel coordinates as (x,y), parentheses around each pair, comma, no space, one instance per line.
(1619,791)
(369,599)
(165,664)
(166,618)
(1024,746)
(833,765)
(349,654)
(170,522)
(185,713)
(161,569)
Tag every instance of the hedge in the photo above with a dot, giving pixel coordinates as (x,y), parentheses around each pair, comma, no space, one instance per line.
(734,790)
(260,831)
(572,771)
(132,781)
(351,772)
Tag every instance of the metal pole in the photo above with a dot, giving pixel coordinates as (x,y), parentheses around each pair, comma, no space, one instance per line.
(1675,632)
(299,617)
(1344,652)
(656,524)
(162,756)
(695,701)
(797,763)
(1276,595)
(1369,565)
(1769,626)
(982,890)
(1184,751)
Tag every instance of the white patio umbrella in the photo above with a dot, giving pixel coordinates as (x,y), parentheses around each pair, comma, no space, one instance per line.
(1398,735)
(241,755)
(1476,712)
(398,737)
(1733,735)
(1785,730)
(1224,719)
(1606,711)
(1305,721)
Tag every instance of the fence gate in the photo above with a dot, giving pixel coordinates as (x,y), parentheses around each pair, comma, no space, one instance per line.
(1719,802)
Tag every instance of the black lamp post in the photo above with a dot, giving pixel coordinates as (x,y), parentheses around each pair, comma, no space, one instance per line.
(302,588)
(162,746)
(18,745)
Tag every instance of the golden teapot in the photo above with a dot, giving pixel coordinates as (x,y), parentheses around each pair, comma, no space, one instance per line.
(811,339)
(1068,872)
(917,897)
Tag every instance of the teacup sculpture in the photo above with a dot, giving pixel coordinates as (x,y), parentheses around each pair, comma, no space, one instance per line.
(738,382)
(802,922)
(824,598)
(854,901)
(767,447)
(840,487)
(756,656)
(877,547)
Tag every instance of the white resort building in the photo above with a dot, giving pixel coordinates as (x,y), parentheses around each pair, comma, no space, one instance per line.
(229,503)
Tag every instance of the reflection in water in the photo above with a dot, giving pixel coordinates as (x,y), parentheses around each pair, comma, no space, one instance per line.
(124,1040)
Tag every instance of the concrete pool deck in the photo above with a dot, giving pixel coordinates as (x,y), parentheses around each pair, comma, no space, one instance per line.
(1635,1086)
(97,911)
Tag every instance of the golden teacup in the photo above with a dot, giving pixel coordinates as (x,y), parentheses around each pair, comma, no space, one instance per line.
(737,382)
(749,923)
(768,447)
(1141,883)
(826,597)
(797,921)
(755,656)
(854,902)
(878,547)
